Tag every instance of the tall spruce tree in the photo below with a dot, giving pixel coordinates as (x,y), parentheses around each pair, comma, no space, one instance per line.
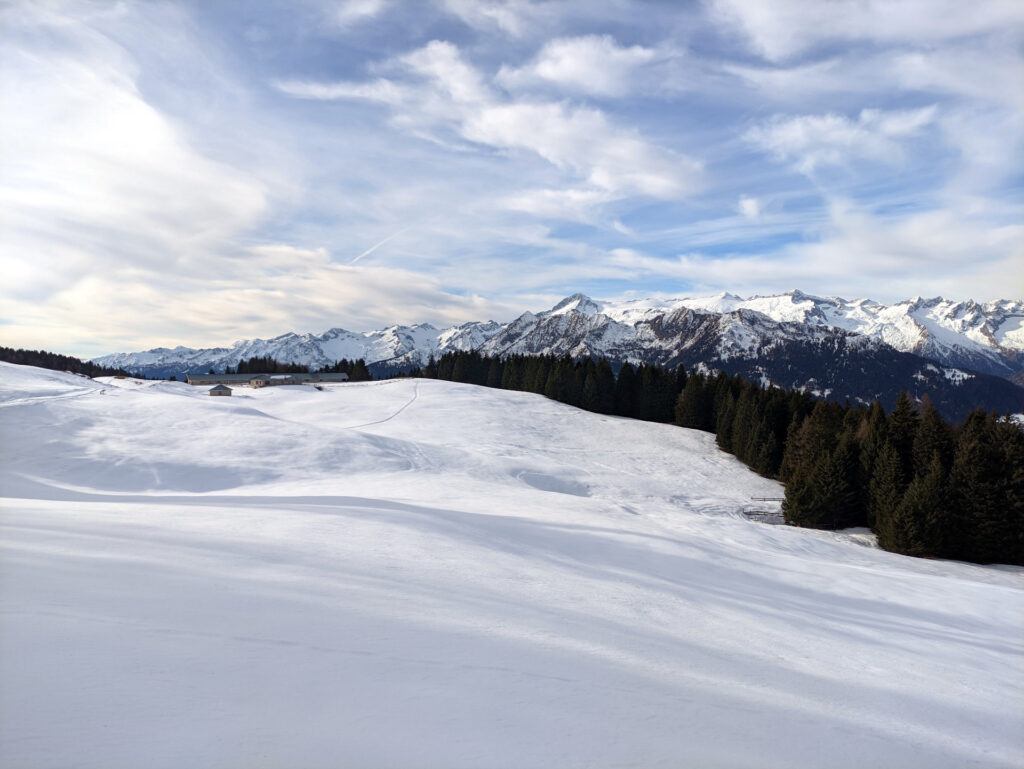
(494,372)
(512,375)
(933,437)
(919,525)
(1013,466)
(723,425)
(885,491)
(978,481)
(693,409)
(605,380)
(627,390)
(903,423)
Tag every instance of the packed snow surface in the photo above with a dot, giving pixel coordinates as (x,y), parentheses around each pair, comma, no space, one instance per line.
(425,574)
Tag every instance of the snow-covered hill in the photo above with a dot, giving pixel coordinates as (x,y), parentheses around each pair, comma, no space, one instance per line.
(419,574)
(985,337)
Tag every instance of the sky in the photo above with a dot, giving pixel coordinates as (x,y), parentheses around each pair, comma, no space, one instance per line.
(200,172)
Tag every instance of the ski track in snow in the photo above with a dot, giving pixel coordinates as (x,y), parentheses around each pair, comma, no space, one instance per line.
(426,574)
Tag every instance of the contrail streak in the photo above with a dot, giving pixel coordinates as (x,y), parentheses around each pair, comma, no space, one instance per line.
(374,247)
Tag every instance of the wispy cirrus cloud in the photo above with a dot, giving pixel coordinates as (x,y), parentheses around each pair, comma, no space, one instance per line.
(782,30)
(811,141)
(861,250)
(95,178)
(442,92)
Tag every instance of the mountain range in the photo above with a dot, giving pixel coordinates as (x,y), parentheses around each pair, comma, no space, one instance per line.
(960,353)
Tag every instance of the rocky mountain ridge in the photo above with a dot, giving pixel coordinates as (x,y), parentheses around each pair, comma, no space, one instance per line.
(829,346)
(988,338)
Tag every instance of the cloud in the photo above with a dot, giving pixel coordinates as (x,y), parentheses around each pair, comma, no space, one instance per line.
(990,73)
(749,207)
(568,204)
(783,30)
(446,93)
(811,141)
(581,139)
(255,295)
(441,63)
(154,189)
(381,90)
(952,252)
(513,17)
(96,179)
(593,64)
(352,12)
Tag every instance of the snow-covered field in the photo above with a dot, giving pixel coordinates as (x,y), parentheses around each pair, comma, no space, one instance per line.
(426,574)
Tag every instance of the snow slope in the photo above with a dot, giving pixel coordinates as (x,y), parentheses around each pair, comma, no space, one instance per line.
(425,574)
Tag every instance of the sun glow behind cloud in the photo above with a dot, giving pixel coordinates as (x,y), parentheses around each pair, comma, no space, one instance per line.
(184,172)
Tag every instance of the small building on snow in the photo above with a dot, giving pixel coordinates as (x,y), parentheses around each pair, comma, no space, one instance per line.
(220,390)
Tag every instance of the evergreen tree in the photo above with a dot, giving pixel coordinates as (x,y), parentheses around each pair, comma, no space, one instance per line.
(590,392)
(680,380)
(605,379)
(800,506)
(359,372)
(932,438)
(979,486)
(885,491)
(557,386)
(494,372)
(57,362)
(838,485)
(919,525)
(872,434)
(814,438)
(512,375)
(693,409)
(627,389)
(1012,439)
(744,428)
(535,374)
(902,430)
(793,453)
(822,491)
(724,424)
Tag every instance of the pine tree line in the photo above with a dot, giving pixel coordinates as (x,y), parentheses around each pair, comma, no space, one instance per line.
(925,487)
(645,392)
(265,365)
(57,362)
(356,370)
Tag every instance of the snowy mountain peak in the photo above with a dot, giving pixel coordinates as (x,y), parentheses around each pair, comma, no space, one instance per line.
(984,337)
(575,303)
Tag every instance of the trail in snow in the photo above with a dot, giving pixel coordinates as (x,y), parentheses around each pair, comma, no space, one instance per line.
(415,393)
